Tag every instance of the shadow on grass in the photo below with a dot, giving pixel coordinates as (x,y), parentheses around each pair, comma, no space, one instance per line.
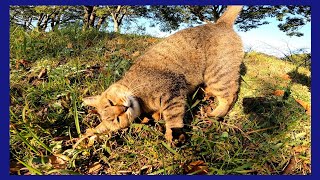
(300,78)
(273,112)
(243,69)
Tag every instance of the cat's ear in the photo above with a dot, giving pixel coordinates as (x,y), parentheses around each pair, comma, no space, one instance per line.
(91,101)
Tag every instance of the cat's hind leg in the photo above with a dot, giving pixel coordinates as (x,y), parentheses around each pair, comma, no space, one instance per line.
(225,90)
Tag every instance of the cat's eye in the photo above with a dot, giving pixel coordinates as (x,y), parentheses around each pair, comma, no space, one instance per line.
(118,119)
(111,103)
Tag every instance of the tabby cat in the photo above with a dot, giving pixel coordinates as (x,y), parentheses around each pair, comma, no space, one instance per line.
(160,79)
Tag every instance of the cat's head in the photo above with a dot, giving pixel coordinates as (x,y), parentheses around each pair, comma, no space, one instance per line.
(117,106)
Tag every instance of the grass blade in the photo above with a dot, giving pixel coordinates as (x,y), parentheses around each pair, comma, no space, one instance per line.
(27,143)
(170,149)
(38,140)
(75,114)
(30,168)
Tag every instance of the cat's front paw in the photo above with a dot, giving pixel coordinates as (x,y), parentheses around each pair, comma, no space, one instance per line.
(176,137)
(168,136)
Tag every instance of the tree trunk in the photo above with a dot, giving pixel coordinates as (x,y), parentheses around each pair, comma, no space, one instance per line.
(29,23)
(88,10)
(40,19)
(56,26)
(100,22)
(45,23)
(52,22)
(117,17)
(92,17)
(115,26)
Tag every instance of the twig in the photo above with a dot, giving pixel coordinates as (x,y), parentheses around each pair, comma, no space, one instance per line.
(259,130)
(244,134)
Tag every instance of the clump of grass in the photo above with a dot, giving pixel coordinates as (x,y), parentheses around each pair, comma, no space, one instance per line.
(263,134)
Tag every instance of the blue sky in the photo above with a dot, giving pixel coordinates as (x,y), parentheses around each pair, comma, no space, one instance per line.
(266,38)
(269,39)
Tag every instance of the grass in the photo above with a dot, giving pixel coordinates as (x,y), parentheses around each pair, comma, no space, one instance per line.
(263,134)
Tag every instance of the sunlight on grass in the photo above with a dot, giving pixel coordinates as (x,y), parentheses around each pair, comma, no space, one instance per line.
(263,134)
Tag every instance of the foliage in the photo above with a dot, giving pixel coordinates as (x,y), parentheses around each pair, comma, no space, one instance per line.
(171,17)
(296,17)
(168,17)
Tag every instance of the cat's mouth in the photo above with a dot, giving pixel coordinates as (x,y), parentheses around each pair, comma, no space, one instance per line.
(132,106)
(128,104)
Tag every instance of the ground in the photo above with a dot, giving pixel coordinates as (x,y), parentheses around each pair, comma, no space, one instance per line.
(266,132)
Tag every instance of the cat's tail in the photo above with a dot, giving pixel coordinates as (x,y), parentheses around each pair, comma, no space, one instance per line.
(230,15)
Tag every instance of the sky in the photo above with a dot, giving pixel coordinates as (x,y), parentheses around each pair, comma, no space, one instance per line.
(266,38)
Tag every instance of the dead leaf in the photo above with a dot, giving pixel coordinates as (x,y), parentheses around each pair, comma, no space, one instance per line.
(91,141)
(92,111)
(268,167)
(208,109)
(305,105)
(43,112)
(135,54)
(291,166)
(124,172)
(300,149)
(64,104)
(286,77)
(306,166)
(69,45)
(145,120)
(22,62)
(95,168)
(57,162)
(42,74)
(36,82)
(196,167)
(278,93)
(156,116)
(63,157)
(15,167)
(146,169)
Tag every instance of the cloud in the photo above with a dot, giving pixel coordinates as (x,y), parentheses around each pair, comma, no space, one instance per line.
(273,46)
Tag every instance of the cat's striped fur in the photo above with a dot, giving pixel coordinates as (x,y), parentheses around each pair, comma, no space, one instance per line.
(163,76)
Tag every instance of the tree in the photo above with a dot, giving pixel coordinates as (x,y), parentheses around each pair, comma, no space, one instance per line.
(295,18)
(119,13)
(171,17)
(291,18)
(89,17)
(48,14)
(22,16)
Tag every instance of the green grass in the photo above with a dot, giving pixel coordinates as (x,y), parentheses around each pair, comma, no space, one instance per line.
(263,134)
